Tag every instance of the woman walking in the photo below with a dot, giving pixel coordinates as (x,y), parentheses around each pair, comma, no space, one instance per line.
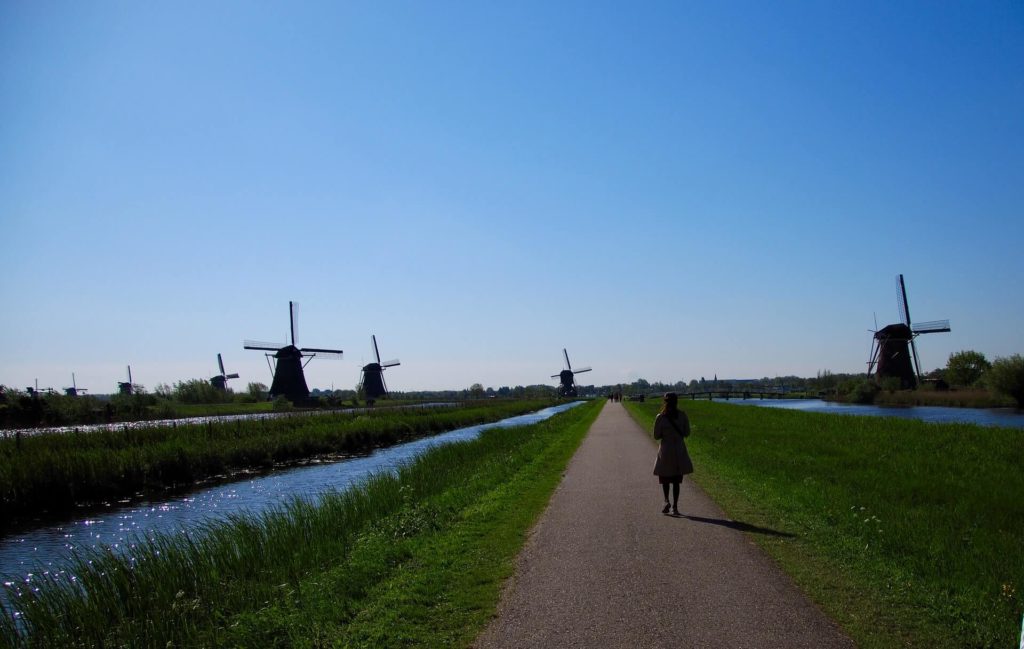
(671,426)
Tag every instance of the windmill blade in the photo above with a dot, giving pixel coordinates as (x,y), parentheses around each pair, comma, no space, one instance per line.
(873,356)
(129,375)
(231,376)
(293,320)
(220,364)
(376,352)
(556,376)
(933,327)
(901,297)
(321,353)
(585,369)
(390,363)
(270,347)
(917,365)
(566,354)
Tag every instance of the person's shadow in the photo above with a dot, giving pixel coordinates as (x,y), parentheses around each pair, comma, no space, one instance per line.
(737,525)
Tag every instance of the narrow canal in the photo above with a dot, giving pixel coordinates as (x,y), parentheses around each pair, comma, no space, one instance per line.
(49,549)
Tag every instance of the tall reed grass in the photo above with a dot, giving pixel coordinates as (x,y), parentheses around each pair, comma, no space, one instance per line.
(238,583)
(916,529)
(60,470)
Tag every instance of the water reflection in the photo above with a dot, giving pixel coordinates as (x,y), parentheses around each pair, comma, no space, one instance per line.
(49,549)
(1007,417)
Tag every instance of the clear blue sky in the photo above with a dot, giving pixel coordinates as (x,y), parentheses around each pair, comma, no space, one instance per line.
(670,190)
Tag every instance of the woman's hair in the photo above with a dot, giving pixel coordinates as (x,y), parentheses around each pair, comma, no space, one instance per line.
(670,406)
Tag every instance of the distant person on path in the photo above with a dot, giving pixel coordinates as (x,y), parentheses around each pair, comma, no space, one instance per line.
(671,426)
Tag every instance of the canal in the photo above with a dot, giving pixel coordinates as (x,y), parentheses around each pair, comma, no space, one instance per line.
(49,549)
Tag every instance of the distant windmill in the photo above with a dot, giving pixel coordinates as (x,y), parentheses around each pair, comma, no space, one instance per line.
(221,381)
(289,380)
(567,387)
(372,384)
(74,390)
(125,388)
(893,351)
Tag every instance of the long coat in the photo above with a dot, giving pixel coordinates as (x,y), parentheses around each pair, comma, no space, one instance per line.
(672,456)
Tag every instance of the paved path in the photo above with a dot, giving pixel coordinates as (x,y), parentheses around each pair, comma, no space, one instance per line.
(605,568)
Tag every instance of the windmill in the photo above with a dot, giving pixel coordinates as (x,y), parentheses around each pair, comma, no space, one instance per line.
(893,351)
(221,380)
(372,384)
(125,388)
(289,380)
(74,390)
(567,387)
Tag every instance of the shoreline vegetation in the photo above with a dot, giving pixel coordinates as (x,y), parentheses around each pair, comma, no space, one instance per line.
(907,534)
(413,558)
(55,472)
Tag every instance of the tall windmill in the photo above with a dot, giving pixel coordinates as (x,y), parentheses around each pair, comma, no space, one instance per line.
(289,379)
(372,384)
(893,351)
(567,384)
(221,380)
(125,387)
(74,390)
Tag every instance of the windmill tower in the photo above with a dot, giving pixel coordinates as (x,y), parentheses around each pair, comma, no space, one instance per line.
(372,384)
(567,384)
(221,380)
(125,387)
(893,351)
(74,390)
(289,380)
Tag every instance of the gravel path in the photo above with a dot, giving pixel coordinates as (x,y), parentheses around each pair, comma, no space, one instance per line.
(605,568)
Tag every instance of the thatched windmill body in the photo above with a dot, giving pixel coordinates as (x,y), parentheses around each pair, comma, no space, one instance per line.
(289,379)
(893,350)
(372,384)
(566,380)
(221,380)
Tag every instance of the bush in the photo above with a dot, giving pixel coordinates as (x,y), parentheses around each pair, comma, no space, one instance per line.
(966,368)
(1007,377)
(858,391)
(282,404)
(199,391)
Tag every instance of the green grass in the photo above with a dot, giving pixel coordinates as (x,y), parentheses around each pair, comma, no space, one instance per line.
(57,471)
(908,534)
(220,409)
(416,559)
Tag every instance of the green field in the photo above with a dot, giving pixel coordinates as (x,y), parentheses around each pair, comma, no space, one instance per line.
(908,534)
(58,471)
(406,560)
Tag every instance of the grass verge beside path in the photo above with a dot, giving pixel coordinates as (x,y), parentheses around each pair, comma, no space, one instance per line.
(906,533)
(57,471)
(416,559)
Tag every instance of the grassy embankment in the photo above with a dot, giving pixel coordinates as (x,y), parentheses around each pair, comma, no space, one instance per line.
(415,559)
(57,471)
(908,534)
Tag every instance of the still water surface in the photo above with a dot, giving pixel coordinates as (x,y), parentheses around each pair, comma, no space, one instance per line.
(1007,417)
(49,549)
